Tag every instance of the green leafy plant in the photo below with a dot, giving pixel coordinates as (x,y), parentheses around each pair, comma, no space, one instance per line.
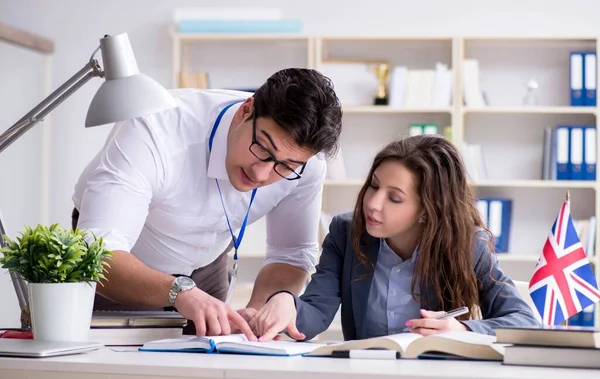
(55,254)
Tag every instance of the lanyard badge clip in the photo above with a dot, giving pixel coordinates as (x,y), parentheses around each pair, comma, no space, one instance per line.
(233,281)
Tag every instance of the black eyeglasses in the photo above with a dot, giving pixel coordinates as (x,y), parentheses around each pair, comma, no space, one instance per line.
(263,154)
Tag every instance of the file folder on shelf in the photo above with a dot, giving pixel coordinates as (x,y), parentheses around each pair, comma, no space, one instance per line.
(575,165)
(589,152)
(496,213)
(590,68)
(576,78)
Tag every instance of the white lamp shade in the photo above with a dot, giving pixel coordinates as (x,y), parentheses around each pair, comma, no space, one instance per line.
(125,98)
(126,93)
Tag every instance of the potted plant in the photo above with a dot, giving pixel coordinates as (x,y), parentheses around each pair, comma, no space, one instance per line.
(61,269)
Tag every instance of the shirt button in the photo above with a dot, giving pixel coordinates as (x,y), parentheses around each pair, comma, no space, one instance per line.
(398,269)
(392,314)
(393,292)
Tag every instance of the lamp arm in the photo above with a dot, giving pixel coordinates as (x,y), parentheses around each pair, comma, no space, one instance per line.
(37,114)
(20,287)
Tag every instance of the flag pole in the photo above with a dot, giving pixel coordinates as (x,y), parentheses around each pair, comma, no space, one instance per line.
(568,200)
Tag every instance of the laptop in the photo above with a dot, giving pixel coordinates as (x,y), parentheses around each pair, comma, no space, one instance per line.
(12,347)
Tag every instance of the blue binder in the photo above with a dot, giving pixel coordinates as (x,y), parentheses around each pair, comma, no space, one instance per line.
(561,144)
(590,80)
(576,78)
(587,315)
(589,152)
(498,220)
(576,145)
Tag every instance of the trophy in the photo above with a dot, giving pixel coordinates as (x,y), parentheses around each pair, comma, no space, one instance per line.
(530,98)
(382,71)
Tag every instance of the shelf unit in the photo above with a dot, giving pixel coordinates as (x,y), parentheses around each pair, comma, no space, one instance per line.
(511,134)
(512,137)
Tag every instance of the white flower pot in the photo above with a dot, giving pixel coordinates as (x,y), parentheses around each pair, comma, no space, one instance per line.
(61,311)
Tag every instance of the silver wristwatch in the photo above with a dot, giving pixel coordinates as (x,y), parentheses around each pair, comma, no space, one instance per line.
(180,284)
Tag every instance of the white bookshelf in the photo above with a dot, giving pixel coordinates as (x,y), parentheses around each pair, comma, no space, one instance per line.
(512,137)
(511,134)
(234,60)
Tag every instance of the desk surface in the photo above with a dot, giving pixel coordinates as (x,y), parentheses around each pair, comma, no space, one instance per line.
(127,363)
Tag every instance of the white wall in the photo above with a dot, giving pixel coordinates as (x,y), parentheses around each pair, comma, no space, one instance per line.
(76,25)
(22,81)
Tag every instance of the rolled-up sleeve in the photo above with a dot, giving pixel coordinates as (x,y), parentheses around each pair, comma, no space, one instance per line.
(293,225)
(119,189)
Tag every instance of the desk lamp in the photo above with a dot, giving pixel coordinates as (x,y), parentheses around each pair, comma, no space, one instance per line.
(124,94)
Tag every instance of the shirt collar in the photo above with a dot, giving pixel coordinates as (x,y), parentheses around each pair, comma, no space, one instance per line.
(216,161)
(384,246)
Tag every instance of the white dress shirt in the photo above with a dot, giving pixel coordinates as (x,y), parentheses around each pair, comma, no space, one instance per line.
(151,191)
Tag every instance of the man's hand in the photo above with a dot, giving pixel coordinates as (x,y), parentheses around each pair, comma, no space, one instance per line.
(210,315)
(429,325)
(278,314)
(248,315)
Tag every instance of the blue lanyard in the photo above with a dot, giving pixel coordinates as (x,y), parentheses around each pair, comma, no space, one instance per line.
(236,241)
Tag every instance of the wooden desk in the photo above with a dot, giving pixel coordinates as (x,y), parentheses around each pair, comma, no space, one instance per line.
(109,364)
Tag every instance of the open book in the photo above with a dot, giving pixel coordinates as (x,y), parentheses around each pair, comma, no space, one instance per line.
(411,345)
(235,343)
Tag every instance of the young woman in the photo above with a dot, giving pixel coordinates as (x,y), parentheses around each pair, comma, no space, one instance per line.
(414,247)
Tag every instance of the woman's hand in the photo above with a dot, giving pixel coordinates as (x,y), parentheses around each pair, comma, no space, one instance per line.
(278,314)
(429,325)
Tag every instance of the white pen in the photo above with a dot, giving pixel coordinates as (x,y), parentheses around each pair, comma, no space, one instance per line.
(453,313)
(366,354)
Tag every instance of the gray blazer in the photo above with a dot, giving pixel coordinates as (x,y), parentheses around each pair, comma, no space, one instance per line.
(338,279)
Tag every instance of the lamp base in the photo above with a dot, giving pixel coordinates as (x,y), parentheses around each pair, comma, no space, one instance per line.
(380,101)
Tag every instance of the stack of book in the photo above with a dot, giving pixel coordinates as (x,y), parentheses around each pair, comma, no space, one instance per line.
(551,346)
(123,328)
(133,328)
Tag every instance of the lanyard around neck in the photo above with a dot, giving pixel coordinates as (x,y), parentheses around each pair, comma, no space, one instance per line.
(236,241)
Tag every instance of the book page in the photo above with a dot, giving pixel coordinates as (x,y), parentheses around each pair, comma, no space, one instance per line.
(398,342)
(269,347)
(461,344)
(192,342)
(229,338)
(469,337)
(183,343)
(403,339)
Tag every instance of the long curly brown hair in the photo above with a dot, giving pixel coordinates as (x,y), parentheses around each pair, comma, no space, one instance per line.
(445,261)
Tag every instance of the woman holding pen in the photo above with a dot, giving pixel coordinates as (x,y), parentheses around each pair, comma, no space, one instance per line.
(414,248)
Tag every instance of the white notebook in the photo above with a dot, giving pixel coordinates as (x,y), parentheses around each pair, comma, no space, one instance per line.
(236,344)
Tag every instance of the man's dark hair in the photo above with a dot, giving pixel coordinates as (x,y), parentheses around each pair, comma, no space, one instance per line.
(302,102)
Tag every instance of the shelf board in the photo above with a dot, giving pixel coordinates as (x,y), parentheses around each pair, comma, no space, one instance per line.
(239,37)
(536,183)
(343,183)
(384,38)
(530,110)
(352,109)
(488,183)
(511,257)
(532,258)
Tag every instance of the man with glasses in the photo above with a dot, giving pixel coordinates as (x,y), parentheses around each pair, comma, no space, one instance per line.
(172,193)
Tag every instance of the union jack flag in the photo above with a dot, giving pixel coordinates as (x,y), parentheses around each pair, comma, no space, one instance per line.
(563,281)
